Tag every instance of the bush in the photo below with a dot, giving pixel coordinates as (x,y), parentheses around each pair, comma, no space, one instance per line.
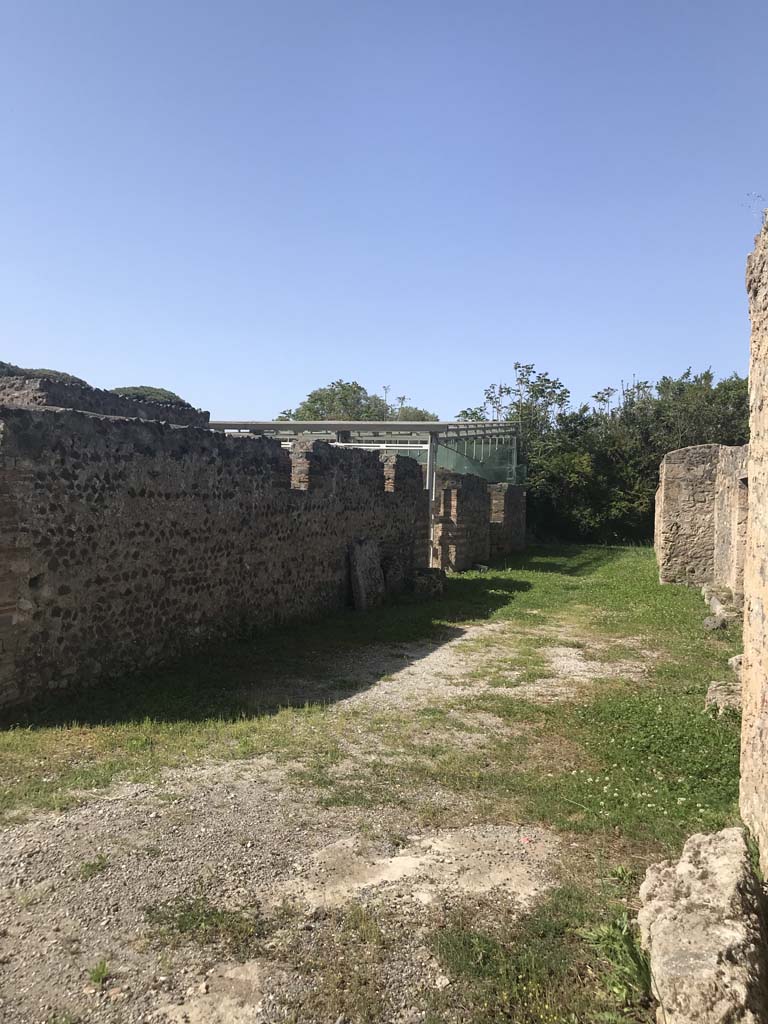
(10,370)
(146,393)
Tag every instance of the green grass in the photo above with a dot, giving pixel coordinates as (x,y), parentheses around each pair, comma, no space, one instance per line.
(197,920)
(344,969)
(266,695)
(635,765)
(90,868)
(100,973)
(573,959)
(637,760)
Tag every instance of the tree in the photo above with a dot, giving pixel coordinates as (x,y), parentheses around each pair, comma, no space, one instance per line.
(348,400)
(592,471)
(412,413)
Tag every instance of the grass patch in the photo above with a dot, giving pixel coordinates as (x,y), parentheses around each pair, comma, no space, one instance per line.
(571,961)
(636,764)
(196,920)
(345,967)
(90,868)
(638,760)
(660,767)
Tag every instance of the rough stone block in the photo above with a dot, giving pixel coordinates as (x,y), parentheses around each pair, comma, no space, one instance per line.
(724,696)
(699,922)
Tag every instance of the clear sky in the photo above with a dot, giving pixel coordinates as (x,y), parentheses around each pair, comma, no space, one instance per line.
(241,201)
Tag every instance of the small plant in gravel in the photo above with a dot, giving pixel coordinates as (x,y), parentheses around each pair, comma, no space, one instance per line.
(100,974)
(94,867)
(197,920)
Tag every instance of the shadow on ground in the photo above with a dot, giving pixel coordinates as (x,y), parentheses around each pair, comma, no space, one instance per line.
(306,662)
(293,665)
(581,560)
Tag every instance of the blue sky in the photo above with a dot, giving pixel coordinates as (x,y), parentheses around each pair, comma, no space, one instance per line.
(245,200)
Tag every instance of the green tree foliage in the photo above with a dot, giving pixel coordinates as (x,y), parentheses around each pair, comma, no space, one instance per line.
(147,393)
(593,470)
(348,400)
(412,414)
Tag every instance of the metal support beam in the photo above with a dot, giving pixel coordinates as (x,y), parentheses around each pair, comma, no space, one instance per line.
(430,483)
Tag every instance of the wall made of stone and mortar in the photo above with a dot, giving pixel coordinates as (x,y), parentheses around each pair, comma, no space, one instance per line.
(40,392)
(507,525)
(461,535)
(684,535)
(730,520)
(754,747)
(123,543)
(701,506)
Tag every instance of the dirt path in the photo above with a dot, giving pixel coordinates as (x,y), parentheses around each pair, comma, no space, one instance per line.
(233,893)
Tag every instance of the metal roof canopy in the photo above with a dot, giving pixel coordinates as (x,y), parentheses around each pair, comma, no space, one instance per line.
(443,429)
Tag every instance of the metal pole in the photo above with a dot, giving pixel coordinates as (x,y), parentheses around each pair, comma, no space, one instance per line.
(431,465)
(431,474)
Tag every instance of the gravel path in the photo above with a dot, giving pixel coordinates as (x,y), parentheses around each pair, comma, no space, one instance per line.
(78,888)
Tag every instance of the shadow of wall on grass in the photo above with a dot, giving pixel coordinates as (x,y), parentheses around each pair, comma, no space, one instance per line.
(582,560)
(315,662)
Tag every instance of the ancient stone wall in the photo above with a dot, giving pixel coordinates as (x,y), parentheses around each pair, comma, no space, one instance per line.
(684,535)
(754,751)
(507,528)
(123,542)
(38,392)
(461,522)
(701,510)
(730,520)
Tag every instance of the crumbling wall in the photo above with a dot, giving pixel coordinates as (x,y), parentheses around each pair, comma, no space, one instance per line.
(730,521)
(507,524)
(754,748)
(701,517)
(461,522)
(684,535)
(123,542)
(40,392)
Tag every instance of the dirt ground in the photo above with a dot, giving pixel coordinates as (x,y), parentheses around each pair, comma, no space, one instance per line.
(233,893)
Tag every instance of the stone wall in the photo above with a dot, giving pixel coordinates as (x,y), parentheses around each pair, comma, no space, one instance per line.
(460,522)
(39,392)
(507,519)
(701,508)
(754,750)
(684,535)
(123,543)
(474,521)
(731,502)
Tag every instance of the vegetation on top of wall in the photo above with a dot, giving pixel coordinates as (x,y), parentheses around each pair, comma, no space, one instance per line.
(11,370)
(593,469)
(348,400)
(147,393)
